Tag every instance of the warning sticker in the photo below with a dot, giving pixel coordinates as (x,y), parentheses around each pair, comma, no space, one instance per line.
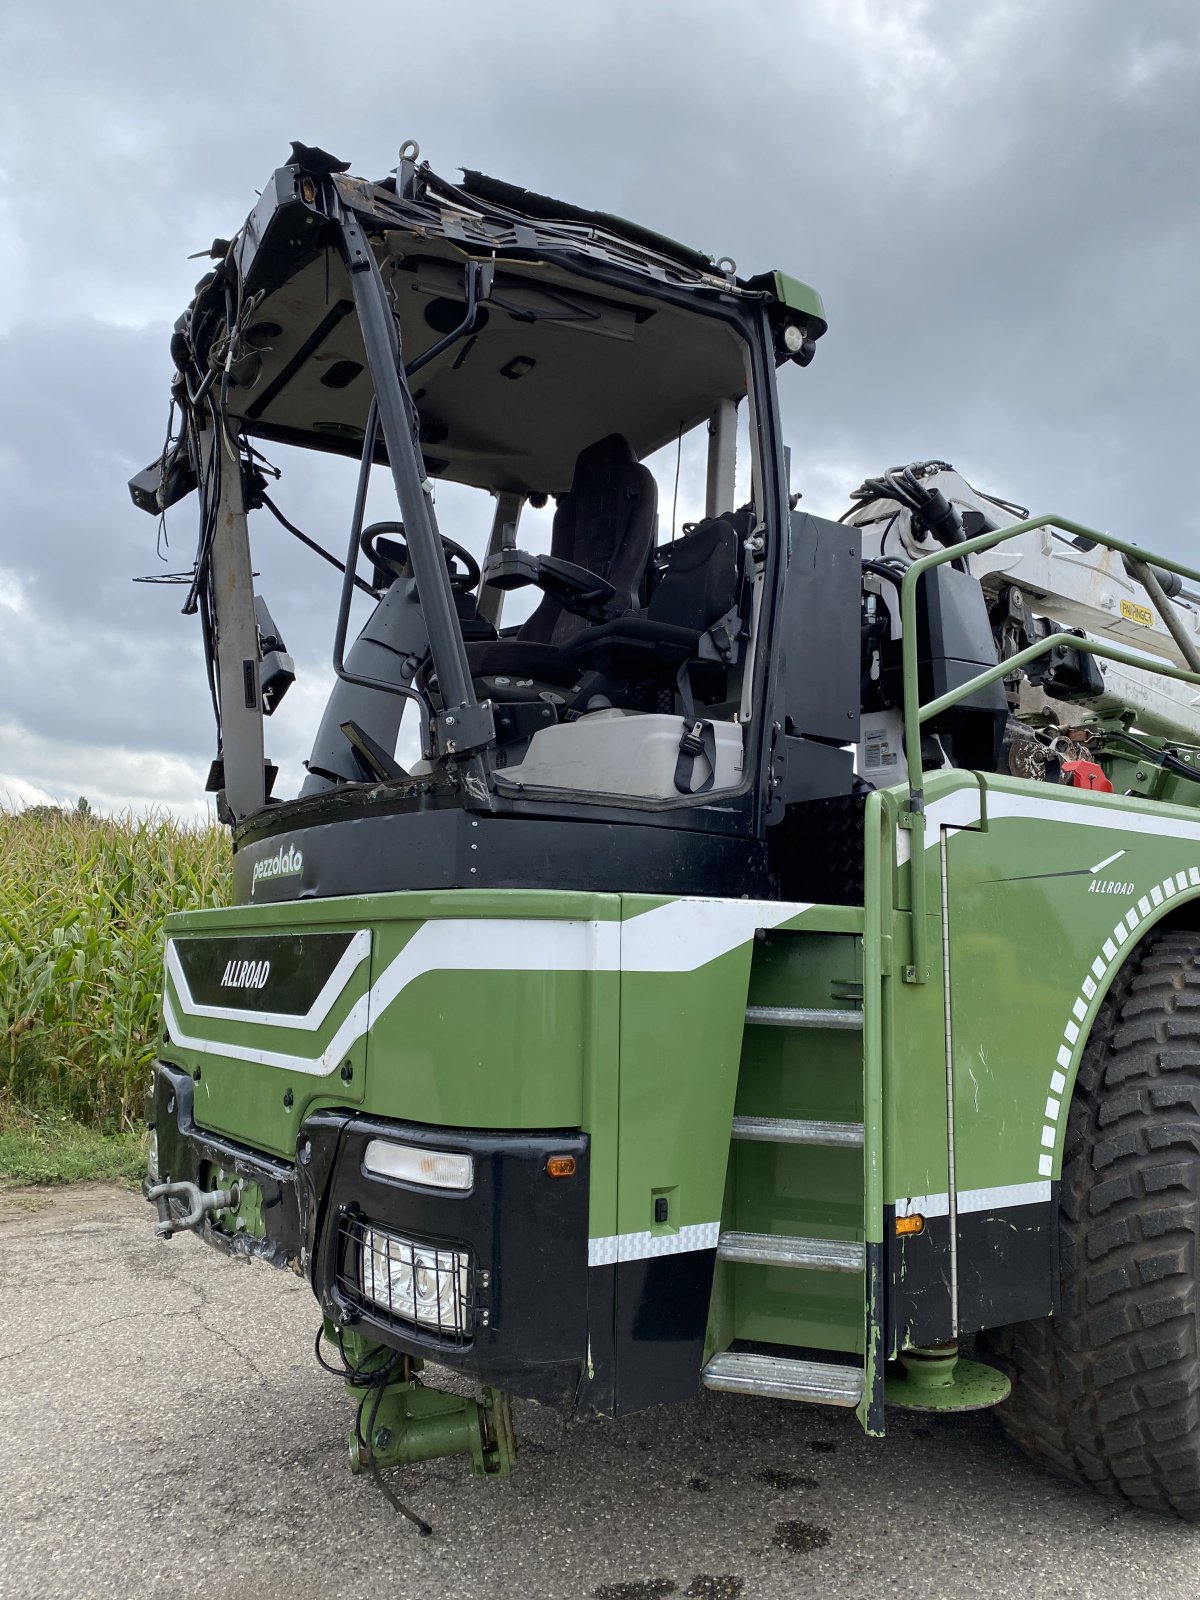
(879,753)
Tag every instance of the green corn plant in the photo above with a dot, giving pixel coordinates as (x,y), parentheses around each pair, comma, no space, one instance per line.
(82,903)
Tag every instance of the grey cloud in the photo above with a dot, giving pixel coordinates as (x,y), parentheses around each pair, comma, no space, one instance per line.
(995,199)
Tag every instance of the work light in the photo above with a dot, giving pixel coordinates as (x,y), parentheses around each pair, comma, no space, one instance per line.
(415,1282)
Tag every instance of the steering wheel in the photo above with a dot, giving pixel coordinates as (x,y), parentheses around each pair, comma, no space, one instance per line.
(391,554)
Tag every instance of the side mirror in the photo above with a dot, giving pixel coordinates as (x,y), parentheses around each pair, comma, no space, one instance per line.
(276,669)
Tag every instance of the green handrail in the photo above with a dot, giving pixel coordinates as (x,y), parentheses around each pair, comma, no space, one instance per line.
(915,714)
(875,910)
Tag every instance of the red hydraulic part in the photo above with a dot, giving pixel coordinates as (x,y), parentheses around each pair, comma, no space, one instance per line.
(1086,775)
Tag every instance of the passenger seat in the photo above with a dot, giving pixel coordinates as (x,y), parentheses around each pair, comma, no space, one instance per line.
(697,589)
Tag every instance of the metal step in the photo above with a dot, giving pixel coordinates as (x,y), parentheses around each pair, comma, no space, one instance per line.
(779,1378)
(793,1130)
(778,1250)
(804,1017)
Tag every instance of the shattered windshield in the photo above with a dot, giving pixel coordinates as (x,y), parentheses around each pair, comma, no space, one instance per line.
(625,522)
(564,600)
(595,515)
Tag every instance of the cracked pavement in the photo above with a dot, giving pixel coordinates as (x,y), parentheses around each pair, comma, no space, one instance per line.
(167,1434)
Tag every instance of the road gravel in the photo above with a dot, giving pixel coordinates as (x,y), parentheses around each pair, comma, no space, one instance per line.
(165,1433)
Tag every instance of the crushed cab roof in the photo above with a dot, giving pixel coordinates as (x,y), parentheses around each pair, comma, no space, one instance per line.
(591,324)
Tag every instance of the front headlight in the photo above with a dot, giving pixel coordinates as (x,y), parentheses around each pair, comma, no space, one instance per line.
(152,1156)
(433,1169)
(416,1282)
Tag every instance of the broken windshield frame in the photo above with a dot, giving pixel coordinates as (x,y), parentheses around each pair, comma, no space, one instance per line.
(433,725)
(462,728)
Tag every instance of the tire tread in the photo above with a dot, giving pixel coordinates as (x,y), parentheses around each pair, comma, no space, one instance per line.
(1108,1391)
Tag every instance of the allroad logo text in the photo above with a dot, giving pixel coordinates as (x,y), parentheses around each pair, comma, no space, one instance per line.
(287,863)
(1109,886)
(245,974)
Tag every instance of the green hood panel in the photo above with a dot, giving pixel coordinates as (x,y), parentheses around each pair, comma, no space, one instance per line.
(508,1009)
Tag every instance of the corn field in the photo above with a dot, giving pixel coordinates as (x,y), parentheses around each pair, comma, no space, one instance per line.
(82,902)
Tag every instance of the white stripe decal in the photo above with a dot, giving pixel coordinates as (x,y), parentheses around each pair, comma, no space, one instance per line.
(617,1247)
(924,1205)
(1001,1198)
(352,958)
(677,937)
(1006,1195)
(1107,862)
(960,809)
(685,934)
(316,1066)
(1103,967)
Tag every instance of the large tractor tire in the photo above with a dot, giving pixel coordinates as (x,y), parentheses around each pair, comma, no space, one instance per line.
(1108,1390)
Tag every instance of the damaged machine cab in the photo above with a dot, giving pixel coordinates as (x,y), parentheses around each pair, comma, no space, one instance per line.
(674,969)
(396,1062)
(483,336)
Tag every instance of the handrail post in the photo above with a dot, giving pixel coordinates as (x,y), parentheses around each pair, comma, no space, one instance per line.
(876,885)
(1148,579)
(914,818)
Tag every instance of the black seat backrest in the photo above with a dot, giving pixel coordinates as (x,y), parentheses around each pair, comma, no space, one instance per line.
(604,523)
(700,583)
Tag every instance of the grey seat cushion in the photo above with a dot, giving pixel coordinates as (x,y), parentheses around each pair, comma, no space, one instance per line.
(521,658)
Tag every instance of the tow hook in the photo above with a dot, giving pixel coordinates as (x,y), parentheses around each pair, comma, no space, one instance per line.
(201,1202)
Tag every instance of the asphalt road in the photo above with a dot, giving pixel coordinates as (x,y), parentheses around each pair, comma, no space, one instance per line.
(164,1432)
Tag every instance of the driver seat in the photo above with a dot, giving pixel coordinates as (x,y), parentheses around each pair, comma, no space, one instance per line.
(605,522)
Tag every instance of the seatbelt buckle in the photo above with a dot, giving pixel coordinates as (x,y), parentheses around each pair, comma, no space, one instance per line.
(692,742)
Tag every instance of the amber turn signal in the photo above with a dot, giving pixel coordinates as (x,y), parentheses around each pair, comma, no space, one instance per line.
(907,1225)
(560,1166)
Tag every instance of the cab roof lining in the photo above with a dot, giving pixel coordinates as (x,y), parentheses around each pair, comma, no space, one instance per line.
(558,362)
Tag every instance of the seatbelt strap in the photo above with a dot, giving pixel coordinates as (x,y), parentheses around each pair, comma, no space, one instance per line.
(699,738)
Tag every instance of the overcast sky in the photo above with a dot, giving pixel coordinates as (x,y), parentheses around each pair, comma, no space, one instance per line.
(997,201)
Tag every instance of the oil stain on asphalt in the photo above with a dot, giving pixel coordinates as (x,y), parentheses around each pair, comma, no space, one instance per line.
(798,1538)
(776,1478)
(645,1589)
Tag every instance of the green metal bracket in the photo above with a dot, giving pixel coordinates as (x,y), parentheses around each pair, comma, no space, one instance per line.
(912,820)
(247,1215)
(405,1421)
(801,297)
(939,1379)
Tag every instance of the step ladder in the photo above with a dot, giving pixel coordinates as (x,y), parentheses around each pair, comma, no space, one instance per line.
(816,1381)
(777,1378)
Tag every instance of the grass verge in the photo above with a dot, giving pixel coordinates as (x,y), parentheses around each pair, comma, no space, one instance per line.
(47,1148)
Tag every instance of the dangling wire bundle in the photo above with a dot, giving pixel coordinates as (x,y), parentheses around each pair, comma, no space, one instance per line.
(373,1379)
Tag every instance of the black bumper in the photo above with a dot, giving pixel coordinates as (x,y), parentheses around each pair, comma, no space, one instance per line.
(188,1154)
(524,1233)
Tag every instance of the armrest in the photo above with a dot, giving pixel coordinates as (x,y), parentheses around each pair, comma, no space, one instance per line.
(575,588)
(511,569)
